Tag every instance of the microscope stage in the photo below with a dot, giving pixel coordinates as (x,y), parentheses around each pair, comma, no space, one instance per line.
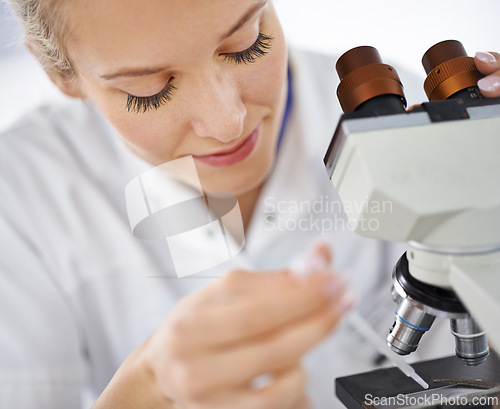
(448,378)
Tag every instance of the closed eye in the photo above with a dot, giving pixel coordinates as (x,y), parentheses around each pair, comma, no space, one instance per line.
(257,50)
(143,104)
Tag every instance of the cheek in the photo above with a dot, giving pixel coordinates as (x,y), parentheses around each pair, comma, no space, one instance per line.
(265,86)
(151,141)
(144,133)
(136,131)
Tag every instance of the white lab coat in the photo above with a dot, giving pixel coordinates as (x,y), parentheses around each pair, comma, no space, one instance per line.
(78,292)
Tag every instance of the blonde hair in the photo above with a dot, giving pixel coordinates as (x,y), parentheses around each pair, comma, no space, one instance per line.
(43,29)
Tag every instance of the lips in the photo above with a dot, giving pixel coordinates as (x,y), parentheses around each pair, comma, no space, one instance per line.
(233,155)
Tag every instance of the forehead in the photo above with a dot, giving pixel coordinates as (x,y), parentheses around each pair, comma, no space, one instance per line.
(111,32)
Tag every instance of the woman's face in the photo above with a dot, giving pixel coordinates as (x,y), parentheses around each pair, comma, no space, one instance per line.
(187,77)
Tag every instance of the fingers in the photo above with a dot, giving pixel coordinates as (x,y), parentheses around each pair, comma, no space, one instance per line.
(246,282)
(235,283)
(219,324)
(489,65)
(322,250)
(286,392)
(274,352)
(317,259)
(247,324)
(303,403)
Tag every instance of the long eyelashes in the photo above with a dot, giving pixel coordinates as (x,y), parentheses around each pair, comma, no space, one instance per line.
(258,49)
(143,104)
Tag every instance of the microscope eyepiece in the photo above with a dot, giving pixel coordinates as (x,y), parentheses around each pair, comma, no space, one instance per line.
(428,209)
(367,83)
(450,72)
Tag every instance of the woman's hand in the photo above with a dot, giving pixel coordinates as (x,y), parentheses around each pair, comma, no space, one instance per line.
(216,342)
(489,65)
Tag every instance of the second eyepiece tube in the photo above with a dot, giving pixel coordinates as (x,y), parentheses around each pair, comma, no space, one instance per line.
(450,72)
(367,84)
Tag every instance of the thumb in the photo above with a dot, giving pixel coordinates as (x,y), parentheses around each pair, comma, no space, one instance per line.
(318,258)
(321,249)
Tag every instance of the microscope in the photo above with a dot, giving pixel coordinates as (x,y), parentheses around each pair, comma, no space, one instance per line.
(434,170)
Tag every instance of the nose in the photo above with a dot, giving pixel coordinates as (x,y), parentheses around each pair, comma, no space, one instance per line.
(219,111)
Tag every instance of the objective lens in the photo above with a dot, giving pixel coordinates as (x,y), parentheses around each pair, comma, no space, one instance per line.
(470,341)
(408,327)
(450,72)
(366,82)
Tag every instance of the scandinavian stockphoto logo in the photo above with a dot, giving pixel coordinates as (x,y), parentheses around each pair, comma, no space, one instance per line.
(324,214)
(202,230)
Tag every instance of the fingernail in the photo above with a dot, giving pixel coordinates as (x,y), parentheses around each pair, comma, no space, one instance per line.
(486,57)
(262,381)
(316,264)
(346,303)
(310,265)
(336,286)
(491,83)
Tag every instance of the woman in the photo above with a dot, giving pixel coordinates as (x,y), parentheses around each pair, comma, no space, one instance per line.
(172,79)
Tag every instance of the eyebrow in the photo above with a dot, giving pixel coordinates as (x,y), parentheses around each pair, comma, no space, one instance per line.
(139,72)
(247,16)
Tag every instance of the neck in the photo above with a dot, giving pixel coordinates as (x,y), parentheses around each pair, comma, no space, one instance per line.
(247,203)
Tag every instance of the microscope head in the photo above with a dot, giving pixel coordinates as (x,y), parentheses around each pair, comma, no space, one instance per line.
(427,177)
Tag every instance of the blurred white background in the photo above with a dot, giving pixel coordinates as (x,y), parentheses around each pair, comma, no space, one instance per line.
(401,30)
